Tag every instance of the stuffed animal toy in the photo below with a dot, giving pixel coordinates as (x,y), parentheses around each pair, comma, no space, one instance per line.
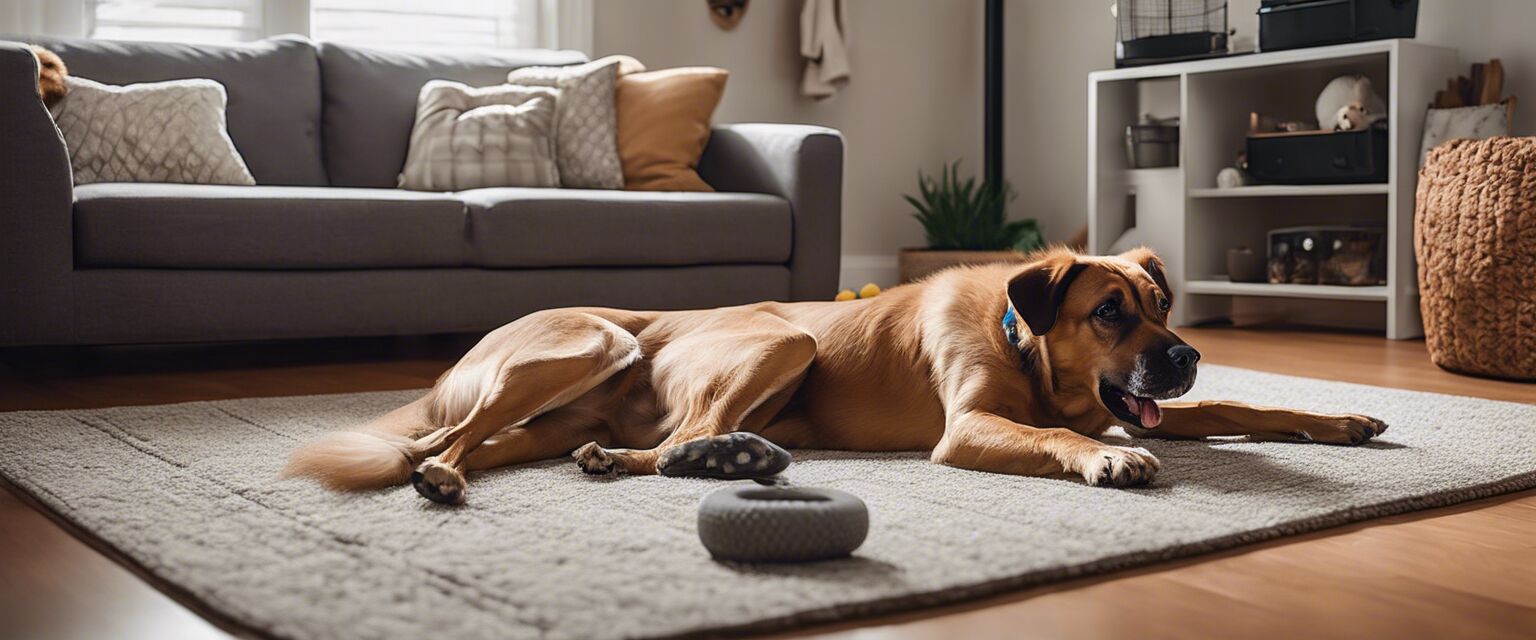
(868,291)
(50,76)
(1349,104)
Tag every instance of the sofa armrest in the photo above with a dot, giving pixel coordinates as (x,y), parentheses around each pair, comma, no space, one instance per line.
(803,164)
(36,198)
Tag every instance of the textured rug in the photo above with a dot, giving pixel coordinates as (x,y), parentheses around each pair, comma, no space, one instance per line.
(188,492)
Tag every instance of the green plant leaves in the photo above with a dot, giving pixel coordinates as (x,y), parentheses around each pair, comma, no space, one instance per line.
(961,215)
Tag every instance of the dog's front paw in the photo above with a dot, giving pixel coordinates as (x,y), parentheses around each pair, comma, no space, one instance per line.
(1120,467)
(439,482)
(593,459)
(1344,429)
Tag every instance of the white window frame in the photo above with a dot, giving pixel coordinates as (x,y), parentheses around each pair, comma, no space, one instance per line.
(564,24)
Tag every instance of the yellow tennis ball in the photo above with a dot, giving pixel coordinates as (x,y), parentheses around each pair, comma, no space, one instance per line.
(845,295)
(869,291)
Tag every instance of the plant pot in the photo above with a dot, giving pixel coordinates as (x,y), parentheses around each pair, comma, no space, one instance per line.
(917,263)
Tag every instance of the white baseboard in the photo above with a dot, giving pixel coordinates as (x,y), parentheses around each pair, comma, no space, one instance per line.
(858,271)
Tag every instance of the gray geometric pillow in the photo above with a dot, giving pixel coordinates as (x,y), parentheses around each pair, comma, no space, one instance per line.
(172,131)
(587,140)
(470,138)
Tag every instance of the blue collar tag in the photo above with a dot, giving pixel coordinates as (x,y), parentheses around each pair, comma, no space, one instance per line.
(1010,328)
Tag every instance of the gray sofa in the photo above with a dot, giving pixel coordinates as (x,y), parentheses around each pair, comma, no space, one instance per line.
(325,246)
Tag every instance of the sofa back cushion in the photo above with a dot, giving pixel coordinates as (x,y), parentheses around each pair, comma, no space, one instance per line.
(273,87)
(370,101)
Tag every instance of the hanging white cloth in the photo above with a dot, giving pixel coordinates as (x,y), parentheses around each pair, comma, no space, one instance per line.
(824,45)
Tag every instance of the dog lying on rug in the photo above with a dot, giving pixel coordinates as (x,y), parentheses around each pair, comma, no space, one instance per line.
(1005,368)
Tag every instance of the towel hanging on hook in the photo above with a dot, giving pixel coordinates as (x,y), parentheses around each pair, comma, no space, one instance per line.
(824,45)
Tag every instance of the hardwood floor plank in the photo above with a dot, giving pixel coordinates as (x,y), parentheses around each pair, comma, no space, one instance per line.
(1460,571)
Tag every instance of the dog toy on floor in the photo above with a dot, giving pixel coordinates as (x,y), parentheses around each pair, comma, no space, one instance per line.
(740,455)
(781,523)
(868,291)
(769,521)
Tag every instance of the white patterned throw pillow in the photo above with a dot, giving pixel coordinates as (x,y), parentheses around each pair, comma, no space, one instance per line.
(587,141)
(172,131)
(469,138)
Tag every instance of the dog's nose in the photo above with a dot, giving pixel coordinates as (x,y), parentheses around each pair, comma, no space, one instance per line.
(1183,356)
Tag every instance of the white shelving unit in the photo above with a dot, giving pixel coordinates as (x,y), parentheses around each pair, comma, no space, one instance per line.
(1179,211)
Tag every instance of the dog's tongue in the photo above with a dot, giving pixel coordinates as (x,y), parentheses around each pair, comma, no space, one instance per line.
(1151,415)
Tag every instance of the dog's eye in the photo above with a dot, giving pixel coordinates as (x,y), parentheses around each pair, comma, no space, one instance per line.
(1109,311)
(1163,304)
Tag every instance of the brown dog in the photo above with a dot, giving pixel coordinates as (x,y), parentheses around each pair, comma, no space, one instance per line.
(997,368)
(50,76)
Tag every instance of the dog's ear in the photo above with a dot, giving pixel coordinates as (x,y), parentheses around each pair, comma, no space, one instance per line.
(1037,292)
(1154,265)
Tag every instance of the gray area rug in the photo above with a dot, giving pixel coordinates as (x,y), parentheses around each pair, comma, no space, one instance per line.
(189,493)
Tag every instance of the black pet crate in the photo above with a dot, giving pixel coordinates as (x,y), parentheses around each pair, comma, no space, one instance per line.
(1152,31)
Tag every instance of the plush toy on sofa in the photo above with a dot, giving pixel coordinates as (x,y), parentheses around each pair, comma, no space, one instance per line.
(1349,104)
(50,76)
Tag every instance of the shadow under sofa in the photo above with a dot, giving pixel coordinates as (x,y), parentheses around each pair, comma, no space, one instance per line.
(324,245)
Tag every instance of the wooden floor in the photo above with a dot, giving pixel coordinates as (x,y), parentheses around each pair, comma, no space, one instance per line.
(1459,572)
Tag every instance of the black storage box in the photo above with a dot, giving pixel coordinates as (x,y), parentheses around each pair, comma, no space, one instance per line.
(1319,157)
(1292,24)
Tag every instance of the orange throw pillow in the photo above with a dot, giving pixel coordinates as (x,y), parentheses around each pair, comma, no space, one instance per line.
(663,125)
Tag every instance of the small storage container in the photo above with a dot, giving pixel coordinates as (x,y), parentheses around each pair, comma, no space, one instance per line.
(1319,157)
(1154,143)
(1353,256)
(1292,24)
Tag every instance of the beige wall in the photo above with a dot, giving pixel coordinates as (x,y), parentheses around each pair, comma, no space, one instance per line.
(916,97)
(914,101)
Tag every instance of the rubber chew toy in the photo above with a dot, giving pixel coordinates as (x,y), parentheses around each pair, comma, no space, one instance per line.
(733,456)
(752,523)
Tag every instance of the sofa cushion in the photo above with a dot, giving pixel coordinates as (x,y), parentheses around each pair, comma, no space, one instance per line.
(476,137)
(183,226)
(663,126)
(170,131)
(370,101)
(567,227)
(273,87)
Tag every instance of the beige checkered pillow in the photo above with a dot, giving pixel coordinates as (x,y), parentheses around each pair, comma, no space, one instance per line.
(469,138)
(170,131)
(588,151)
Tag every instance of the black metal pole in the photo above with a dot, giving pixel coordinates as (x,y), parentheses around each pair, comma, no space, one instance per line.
(992,121)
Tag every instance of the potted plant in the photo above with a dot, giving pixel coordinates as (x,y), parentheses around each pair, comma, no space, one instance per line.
(965,224)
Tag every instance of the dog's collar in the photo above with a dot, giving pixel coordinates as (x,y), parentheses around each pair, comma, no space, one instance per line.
(1010,327)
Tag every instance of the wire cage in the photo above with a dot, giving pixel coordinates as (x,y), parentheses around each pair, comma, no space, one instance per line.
(1148,31)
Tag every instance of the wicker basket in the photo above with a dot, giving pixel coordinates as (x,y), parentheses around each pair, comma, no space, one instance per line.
(1475,237)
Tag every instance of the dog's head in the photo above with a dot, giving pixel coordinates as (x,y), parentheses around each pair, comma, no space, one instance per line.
(1102,323)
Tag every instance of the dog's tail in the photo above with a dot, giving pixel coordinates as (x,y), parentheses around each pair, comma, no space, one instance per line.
(375,456)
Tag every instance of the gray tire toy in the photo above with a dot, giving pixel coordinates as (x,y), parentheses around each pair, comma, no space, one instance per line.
(751,523)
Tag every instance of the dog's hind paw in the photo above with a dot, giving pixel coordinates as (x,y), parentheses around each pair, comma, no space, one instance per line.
(1121,467)
(439,482)
(730,456)
(593,460)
